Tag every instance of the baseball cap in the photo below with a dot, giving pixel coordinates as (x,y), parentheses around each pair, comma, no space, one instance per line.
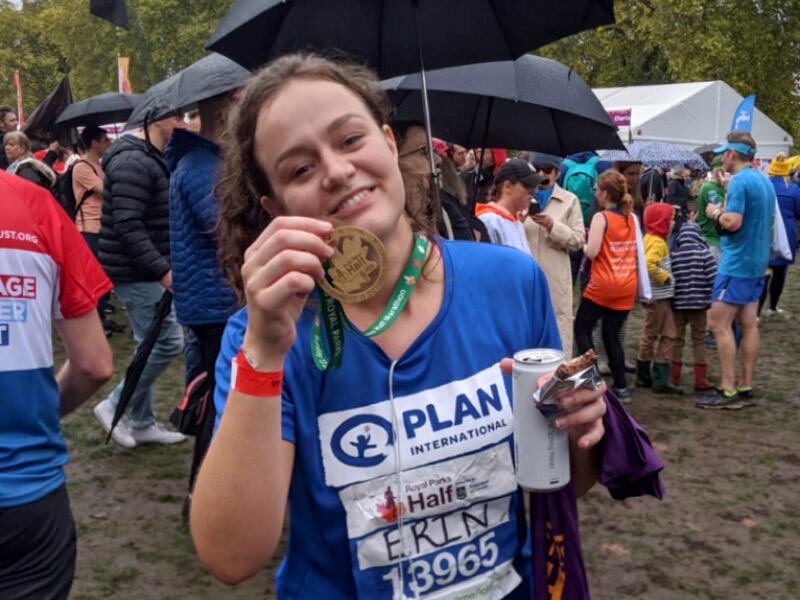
(520,170)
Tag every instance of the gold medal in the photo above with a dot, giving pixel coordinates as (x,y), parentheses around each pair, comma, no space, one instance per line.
(357,268)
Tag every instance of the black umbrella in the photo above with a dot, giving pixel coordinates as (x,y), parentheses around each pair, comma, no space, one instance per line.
(531,103)
(134,370)
(381,33)
(401,36)
(41,125)
(111,107)
(208,77)
(154,105)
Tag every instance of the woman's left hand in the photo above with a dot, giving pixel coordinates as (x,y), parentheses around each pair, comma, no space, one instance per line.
(581,412)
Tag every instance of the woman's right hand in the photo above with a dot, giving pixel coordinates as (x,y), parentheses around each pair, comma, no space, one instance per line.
(280,269)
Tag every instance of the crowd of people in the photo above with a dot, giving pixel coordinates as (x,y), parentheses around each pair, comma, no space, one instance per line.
(232,217)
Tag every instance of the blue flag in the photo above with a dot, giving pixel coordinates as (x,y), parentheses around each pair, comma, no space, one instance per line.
(743,117)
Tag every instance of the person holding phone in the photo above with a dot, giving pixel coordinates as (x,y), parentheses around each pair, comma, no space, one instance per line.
(554,228)
(509,201)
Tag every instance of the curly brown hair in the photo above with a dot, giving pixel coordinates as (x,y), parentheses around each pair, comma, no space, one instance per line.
(243,182)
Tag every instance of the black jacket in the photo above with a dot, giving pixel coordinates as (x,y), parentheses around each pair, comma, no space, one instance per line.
(134,227)
(652,184)
(678,195)
(458,222)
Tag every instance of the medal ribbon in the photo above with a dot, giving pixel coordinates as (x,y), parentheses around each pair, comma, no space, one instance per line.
(331,313)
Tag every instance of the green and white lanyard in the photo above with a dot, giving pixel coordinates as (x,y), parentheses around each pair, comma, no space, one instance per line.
(331,313)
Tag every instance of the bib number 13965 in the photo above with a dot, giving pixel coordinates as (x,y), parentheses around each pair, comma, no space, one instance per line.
(445,566)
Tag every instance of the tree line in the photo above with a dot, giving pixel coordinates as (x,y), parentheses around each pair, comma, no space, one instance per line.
(754,46)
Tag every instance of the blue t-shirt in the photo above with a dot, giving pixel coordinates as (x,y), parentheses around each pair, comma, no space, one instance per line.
(450,405)
(745,253)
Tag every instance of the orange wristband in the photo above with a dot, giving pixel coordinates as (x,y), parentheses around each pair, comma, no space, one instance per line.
(246,379)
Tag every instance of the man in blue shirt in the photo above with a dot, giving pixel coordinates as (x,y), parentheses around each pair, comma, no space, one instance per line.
(745,225)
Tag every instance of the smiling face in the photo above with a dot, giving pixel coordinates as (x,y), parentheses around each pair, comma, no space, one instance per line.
(325,157)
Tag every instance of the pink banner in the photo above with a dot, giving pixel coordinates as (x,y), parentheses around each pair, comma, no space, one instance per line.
(621,118)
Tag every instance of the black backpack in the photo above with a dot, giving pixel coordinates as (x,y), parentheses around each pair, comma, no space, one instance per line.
(65,195)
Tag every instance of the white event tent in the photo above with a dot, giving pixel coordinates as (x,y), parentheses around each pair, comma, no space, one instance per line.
(687,114)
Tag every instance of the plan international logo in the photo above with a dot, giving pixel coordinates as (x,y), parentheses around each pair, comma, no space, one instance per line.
(359,444)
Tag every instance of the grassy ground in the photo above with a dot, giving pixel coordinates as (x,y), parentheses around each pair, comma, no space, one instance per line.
(728,528)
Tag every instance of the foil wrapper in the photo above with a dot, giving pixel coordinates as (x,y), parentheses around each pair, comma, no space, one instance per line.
(546,397)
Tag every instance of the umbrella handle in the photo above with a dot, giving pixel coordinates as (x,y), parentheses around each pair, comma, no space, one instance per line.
(479,166)
(425,108)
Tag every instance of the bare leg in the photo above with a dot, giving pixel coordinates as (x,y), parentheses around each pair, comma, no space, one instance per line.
(720,319)
(751,341)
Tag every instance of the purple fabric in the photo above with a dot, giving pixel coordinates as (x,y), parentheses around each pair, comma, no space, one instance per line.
(558,570)
(628,467)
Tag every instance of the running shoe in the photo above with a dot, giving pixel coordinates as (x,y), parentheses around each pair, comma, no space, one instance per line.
(745,393)
(720,400)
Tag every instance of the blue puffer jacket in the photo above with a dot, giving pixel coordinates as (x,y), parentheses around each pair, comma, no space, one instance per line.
(202,294)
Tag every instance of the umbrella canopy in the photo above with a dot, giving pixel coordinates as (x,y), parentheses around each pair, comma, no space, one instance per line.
(143,350)
(154,105)
(657,154)
(380,33)
(531,103)
(210,76)
(111,107)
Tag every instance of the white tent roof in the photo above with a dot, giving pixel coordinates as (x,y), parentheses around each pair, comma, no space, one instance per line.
(689,115)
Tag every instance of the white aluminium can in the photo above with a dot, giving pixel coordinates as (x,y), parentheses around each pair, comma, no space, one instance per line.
(541,451)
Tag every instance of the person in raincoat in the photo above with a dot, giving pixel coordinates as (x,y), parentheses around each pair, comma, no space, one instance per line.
(555,231)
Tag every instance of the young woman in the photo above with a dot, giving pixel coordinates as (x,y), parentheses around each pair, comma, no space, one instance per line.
(397,465)
(611,292)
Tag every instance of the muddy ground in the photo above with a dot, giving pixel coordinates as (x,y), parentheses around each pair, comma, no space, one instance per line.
(728,528)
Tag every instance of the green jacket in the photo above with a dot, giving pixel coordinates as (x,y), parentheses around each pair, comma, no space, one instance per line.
(707,226)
